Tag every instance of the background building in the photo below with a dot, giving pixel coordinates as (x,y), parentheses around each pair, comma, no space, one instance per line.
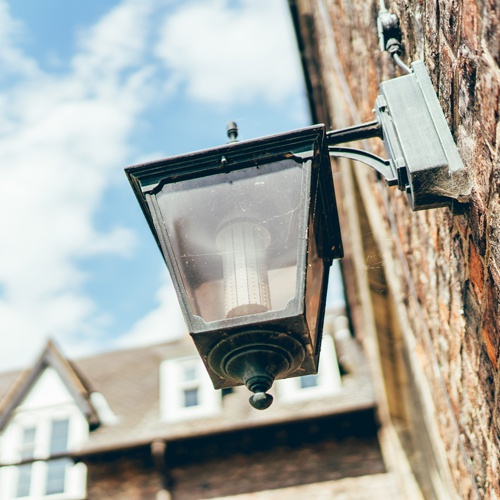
(422,288)
(146,424)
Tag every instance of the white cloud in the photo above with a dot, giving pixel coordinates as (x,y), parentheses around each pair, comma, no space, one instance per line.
(64,141)
(163,323)
(115,43)
(227,52)
(12,60)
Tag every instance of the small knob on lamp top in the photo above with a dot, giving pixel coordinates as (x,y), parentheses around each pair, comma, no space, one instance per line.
(232,131)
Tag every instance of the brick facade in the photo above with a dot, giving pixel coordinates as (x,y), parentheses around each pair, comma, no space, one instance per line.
(441,272)
(293,455)
(125,474)
(321,443)
(275,457)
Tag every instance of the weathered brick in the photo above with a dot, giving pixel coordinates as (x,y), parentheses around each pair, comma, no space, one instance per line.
(449,15)
(284,467)
(494,233)
(453,261)
(491,35)
(491,326)
(477,222)
(476,271)
(467,76)
(483,176)
(488,95)
(471,24)
(446,84)
(128,475)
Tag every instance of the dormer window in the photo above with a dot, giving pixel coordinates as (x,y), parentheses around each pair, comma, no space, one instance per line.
(26,452)
(27,447)
(191,398)
(190,383)
(41,431)
(56,476)
(59,436)
(325,383)
(56,469)
(37,477)
(186,390)
(24,472)
(308,381)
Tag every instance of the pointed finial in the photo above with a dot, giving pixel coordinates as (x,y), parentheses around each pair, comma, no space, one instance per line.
(259,384)
(261,400)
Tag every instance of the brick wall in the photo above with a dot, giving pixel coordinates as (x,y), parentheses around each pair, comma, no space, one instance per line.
(298,453)
(275,457)
(445,269)
(284,467)
(124,475)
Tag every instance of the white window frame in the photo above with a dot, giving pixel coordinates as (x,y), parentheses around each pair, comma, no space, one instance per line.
(75,483)
(328,382)
(10,445)
(172,386)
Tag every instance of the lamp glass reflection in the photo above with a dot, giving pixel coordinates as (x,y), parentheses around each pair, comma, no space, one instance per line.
(235,238)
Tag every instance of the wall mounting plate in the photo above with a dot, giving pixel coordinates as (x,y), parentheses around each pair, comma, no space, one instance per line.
(419,143)
(423,159)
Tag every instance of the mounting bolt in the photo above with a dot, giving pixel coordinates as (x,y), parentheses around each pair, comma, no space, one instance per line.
(393,46)
(388,30)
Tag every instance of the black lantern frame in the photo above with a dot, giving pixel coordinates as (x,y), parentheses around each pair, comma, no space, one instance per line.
(259,347)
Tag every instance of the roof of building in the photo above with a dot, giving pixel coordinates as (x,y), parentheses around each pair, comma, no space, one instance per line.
(130,381)
(77,385)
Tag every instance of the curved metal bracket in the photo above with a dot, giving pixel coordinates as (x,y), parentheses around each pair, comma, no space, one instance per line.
(383,167)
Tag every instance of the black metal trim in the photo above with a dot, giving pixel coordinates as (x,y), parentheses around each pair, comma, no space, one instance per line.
(383,167)
(224,158)
(355,133)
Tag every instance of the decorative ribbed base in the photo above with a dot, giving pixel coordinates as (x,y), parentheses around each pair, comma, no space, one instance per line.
(256,359)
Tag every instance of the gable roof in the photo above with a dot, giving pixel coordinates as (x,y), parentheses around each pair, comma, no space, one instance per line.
(73,380)
(129,380)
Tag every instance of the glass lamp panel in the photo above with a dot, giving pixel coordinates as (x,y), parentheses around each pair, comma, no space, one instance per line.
(234,237)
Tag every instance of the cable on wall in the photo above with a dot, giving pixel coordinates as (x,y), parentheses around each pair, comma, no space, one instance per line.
(389,36)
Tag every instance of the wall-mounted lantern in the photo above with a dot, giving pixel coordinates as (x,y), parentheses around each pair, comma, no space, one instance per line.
(248,230)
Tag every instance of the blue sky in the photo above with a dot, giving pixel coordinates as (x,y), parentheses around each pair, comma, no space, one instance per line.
(87,88)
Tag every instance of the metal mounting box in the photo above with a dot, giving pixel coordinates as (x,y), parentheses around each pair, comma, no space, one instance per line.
(419,142)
